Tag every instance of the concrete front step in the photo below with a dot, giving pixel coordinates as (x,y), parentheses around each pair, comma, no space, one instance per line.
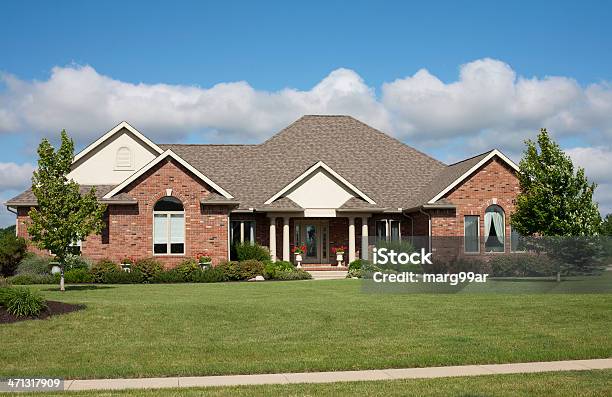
(327,274)
(323,267)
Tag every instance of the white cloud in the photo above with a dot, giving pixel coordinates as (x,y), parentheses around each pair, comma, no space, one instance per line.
(15,176)
(596,162)
(489,105)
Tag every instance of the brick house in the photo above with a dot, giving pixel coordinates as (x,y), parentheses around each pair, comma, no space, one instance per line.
(323,181)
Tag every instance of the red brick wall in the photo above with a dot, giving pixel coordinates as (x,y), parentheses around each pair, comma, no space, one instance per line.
(494,183)
(130,228)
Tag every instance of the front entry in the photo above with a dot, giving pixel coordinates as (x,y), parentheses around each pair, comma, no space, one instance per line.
(315,236)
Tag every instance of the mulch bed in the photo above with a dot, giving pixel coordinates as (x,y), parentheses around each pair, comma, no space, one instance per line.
(53,308)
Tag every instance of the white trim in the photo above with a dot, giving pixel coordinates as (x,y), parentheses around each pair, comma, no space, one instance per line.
(469,172)
(157,160)
(117,128)
(312,169)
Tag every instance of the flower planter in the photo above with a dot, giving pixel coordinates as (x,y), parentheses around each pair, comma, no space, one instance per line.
(339,257)
(205,265)
(126,267)
(298,260)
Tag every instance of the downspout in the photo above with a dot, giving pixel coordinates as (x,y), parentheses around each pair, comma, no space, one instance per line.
(411,226)
(429,218)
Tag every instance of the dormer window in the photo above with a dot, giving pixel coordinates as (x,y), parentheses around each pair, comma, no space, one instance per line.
(123,159)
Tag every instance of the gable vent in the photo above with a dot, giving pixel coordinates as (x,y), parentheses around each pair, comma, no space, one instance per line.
(123,160)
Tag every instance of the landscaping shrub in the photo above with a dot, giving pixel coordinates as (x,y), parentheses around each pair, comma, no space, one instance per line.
(187,269)
(148,268)
(27,279)
(12,251)
(297,274)
(249,269)
(103,267)
(77,262)
(357,264)
(523,265)
(212,275)
(270,268)
(23,302)
(172,276)
(230,270)
(4,295)
(354,273)
(248,251)
(121,277)
(34,264)
(78,276)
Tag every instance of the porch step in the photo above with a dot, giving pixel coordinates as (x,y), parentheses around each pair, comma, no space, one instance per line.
(327,274)
(322,267)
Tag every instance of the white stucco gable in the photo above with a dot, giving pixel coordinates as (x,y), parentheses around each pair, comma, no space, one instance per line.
(114,157)
(320,187)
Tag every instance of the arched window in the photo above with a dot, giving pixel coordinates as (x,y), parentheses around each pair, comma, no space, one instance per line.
(495,229)
(123,159)
(168,227)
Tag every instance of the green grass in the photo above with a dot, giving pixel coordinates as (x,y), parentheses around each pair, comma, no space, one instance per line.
(239,328)
(566,384)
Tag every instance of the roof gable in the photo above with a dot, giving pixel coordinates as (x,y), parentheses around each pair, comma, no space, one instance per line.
(313,177)
(474,164)
(167,154)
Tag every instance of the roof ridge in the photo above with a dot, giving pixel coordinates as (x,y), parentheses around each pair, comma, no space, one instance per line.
(471,158)
(208,144)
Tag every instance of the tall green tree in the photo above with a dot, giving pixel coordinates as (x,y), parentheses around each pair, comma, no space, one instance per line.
(556,199)
(556,204)
(63,215)
(606,226)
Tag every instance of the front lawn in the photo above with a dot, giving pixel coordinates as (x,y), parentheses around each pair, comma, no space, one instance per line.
(237,328)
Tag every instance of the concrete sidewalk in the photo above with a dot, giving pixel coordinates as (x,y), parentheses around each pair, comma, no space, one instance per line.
(340,376)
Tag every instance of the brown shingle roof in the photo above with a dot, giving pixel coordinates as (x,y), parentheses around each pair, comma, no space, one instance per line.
(27,198)
(390,172)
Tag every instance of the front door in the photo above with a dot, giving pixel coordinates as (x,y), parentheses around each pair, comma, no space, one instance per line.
(315,236)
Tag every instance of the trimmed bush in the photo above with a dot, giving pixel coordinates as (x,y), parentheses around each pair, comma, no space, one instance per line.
(354,273)
(34,264)
(187,269)
(212,275)
(358,264)
(78,276)
(230,270)
(101,268)
(249,269)
(171,276)
(270,268)
(523,265)
(5,292)
(248,251)
(27,279)
(23,302)
(297,274)
(12,251)
(148,268)
(121,277)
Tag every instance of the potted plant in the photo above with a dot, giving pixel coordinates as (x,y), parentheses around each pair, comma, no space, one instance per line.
(126,264)
(298,251)
(204,260)
(339,251)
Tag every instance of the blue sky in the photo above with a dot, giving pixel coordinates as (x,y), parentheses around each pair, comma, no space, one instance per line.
(451,78)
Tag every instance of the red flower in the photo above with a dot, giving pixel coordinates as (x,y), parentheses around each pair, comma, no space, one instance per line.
(299,249)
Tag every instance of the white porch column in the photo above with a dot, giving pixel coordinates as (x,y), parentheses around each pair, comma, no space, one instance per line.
(273,238)
(364,237)
(286,253)
(351,236)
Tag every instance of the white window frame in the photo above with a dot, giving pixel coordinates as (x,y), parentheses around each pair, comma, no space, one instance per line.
(478,234)
(168,215)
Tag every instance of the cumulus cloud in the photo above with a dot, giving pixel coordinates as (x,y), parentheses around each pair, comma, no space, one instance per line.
(596,162)
(15,176)
(88,103)
(488,105)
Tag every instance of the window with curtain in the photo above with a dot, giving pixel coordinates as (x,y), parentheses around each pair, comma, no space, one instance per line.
(471,234)
(168,226)
(494,229)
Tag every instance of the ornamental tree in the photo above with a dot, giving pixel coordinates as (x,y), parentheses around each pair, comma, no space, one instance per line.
(556,202)
(63,215)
